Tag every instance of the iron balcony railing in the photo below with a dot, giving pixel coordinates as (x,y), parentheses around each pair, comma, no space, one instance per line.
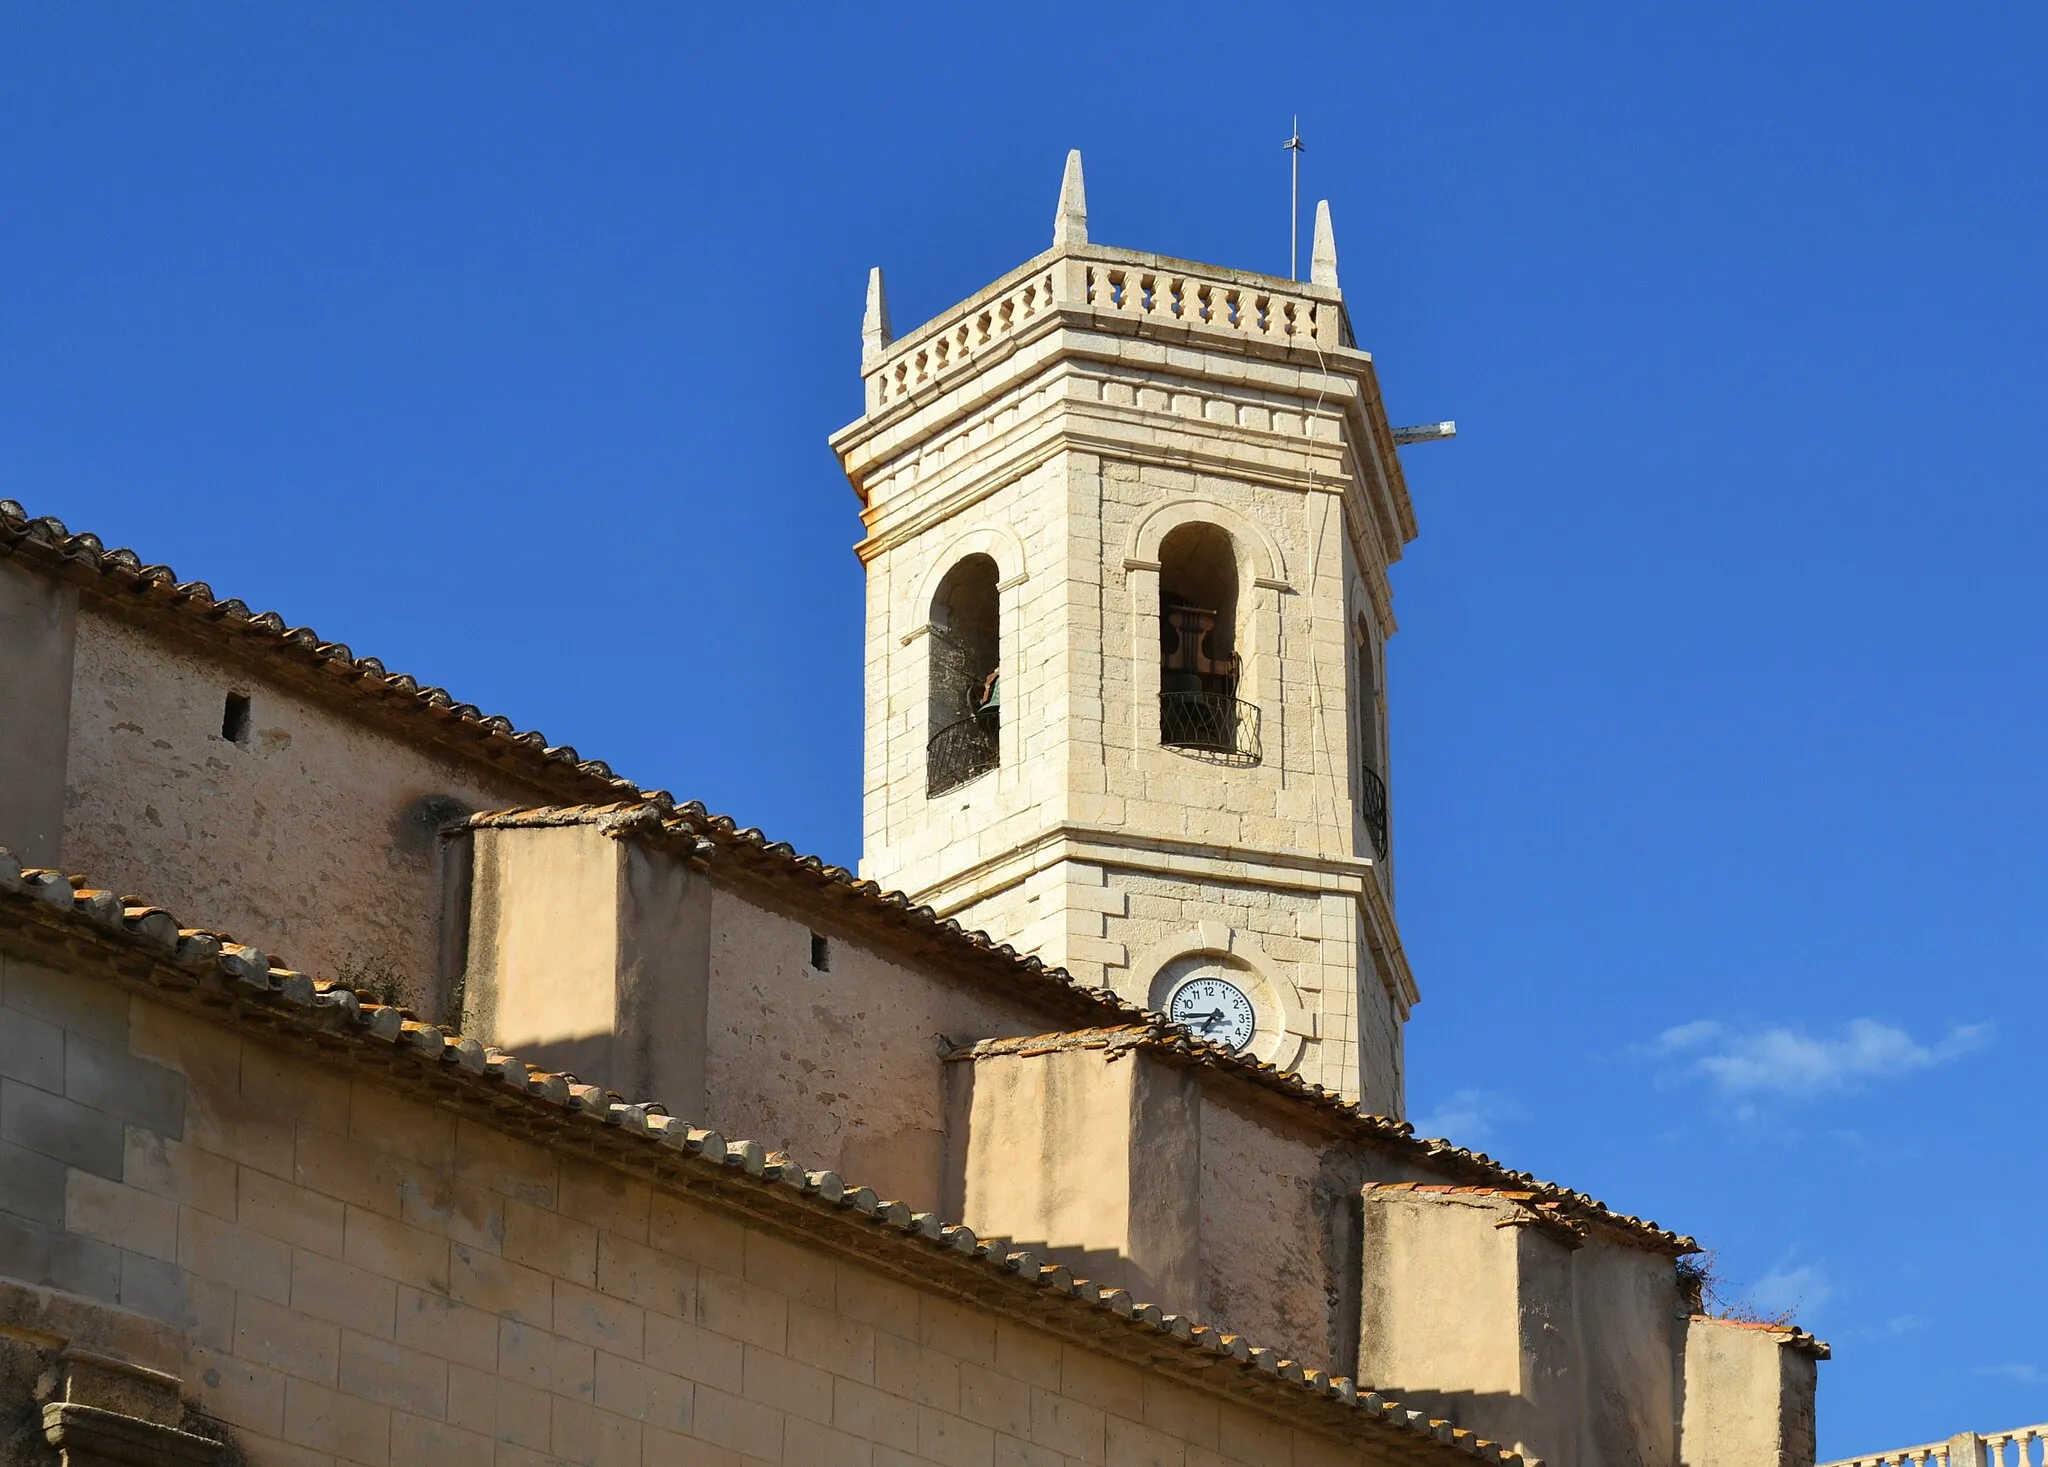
(1372,805)
(962,751)
(1213,726)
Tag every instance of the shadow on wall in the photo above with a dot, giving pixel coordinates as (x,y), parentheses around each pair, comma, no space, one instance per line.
(588,1057)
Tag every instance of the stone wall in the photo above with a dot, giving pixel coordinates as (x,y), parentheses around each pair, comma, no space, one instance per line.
(1154,1177)
(233,835)
(1748,1395)
(909,840)
(38,635)
(357,1276)
(1269,1259)
(839,1067)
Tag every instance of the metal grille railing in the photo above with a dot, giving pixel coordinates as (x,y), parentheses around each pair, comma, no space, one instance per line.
(962,751)
(1372,805)
(1214,726)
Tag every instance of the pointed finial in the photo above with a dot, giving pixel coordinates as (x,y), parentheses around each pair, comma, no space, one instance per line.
(1322,260)
(875,334)
(1070,224)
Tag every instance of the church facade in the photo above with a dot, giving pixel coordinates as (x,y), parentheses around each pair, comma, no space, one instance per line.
(380,1083)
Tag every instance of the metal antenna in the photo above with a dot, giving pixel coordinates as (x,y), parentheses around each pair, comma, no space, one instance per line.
(1297,147)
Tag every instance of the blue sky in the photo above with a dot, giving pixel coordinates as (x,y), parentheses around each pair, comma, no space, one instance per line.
(502,341)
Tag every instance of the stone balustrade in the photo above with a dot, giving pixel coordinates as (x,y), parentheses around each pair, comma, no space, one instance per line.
(1176,297)
(1223,304)
(2023,1446)
(929,354)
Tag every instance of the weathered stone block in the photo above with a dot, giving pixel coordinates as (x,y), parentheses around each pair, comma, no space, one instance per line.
(32,1051)
(31,1185)
(323,1287)
(109,1079)
(62,1129)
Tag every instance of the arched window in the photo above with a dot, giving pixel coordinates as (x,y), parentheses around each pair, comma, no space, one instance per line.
(966,687)
(1199,666)
(1372,785)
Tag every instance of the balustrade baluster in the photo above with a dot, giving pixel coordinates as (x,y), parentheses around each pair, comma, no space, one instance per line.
(1219,306)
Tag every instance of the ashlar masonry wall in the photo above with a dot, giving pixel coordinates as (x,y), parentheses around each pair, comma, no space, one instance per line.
(839,1066)
(233,834)
(359,1276)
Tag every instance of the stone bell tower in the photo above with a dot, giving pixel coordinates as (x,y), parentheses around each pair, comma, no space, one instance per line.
(1128,527)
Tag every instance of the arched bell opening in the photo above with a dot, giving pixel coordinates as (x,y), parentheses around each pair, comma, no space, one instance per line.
(1372,778)
(965,677)
(1199,665)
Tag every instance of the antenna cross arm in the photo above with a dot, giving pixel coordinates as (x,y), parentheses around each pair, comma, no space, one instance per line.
(1425,433)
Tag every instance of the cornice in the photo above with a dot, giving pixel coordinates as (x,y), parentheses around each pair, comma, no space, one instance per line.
(1336,385)
(1068,309)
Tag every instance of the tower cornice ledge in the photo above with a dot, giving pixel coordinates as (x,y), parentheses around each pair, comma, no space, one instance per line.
(1119,293)
(1294,419)
(1118,848)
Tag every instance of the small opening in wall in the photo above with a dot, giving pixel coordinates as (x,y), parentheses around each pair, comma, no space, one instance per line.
(234,719)
(821,953)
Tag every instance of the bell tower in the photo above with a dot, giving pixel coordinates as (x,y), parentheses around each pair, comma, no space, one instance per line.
(1128,524)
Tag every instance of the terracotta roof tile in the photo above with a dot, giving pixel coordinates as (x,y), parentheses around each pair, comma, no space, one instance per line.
(1791,1336)
(1536,1210)
(1158,1036)
(894,921)
(235,985)
(154,589)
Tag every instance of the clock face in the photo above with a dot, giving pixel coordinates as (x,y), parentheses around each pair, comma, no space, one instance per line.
(1215,1009)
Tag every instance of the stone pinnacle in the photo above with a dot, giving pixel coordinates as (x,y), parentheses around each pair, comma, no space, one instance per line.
(1070,224)
(1322,264)
(875,334)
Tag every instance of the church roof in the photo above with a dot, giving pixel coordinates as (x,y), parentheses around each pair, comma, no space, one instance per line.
(589,789)
(1791,1336)
(1176,1045)
(89,931)
(1532,1208)
(299,655)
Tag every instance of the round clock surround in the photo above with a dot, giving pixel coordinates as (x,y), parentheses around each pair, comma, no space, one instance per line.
(1212,1007)
(1277,1020)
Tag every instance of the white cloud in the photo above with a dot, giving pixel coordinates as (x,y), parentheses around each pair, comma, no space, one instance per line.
(1468,1117)
(1685,1036)
(1787,1290)
(1776,1060)
(2024,1374)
